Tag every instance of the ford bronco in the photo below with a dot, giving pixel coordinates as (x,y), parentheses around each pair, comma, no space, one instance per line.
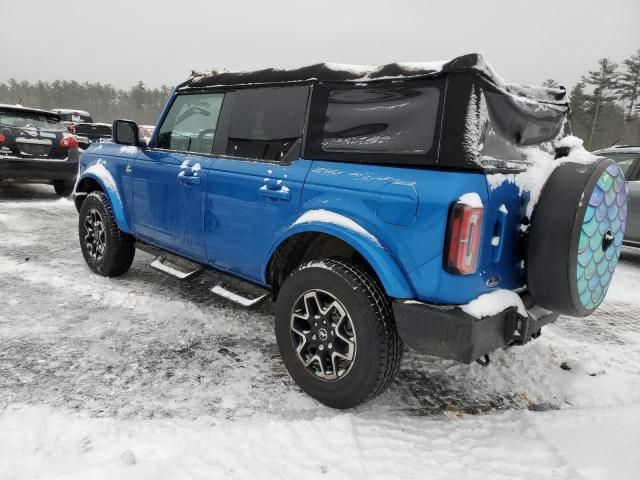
(430,204)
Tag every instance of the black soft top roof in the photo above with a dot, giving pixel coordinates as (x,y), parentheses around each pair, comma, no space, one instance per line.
(327,72)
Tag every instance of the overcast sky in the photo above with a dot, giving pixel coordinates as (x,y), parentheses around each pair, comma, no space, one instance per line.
(160,41)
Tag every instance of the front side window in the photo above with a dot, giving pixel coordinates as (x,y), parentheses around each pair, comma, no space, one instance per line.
(266,122)
(190,125)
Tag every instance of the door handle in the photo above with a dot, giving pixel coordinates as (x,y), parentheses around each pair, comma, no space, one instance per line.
(281,193)
(188,178)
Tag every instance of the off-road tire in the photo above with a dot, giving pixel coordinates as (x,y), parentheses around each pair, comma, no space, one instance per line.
(119,247)
(62,188)
(378,352)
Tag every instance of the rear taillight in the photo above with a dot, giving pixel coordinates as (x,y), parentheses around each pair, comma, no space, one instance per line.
(463,239)
(2,138)
(69,142)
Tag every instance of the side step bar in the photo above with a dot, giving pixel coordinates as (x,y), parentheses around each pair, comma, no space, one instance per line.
(239,299)
(165,265)
(229,287)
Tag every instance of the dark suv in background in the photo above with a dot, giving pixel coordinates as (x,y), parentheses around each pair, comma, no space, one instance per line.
(81,124)
(36,147)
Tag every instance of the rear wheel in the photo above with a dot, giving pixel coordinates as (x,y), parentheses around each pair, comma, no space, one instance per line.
(107,250)
(336,333)
(62,188)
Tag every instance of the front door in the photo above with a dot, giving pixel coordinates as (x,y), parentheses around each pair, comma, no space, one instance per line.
(170,177)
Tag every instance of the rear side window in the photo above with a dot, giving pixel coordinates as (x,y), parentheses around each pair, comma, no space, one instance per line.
(190,125)
(390,123)
(266,122)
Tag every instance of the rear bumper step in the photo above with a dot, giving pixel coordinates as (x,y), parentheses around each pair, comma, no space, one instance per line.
(448,332)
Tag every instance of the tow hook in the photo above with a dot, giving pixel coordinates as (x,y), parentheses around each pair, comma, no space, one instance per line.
(484,361)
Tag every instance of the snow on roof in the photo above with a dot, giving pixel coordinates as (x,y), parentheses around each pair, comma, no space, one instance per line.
(338,72)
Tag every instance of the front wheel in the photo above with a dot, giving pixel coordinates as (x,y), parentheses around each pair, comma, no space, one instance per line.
(107,250)
(336,333)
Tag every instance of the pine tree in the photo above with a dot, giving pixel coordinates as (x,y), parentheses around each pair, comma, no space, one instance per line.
(579,100)
(628,83)
(603,81)
(550,83)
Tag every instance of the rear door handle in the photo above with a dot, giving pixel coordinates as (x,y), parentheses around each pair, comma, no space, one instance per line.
(188,178)
(281,193)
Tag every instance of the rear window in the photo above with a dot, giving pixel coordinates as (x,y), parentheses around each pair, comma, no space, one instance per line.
(388,123)
(510,125)
(266,122)
(18,119)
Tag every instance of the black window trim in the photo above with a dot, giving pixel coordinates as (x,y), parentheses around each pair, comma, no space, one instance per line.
(429,159)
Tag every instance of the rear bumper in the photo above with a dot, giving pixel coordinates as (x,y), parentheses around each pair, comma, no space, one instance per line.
(39,170)
(448,332)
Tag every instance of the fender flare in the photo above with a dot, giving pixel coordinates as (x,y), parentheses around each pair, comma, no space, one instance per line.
(103,177)
(394,281)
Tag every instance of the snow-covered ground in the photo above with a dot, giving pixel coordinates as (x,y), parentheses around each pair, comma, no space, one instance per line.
(147,377)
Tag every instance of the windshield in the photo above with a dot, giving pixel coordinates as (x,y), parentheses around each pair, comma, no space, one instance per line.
(40,121)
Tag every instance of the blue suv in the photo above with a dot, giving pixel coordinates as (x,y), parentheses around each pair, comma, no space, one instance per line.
(430,204)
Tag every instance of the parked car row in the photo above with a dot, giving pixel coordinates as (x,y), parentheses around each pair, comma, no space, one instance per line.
(40,146)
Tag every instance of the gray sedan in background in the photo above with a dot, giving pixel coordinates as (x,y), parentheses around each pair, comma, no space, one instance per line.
(628,158)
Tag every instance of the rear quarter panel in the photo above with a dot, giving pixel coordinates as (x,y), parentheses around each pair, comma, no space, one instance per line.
(406,209)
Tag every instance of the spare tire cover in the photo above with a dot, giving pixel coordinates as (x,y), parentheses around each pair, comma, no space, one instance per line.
(575,236)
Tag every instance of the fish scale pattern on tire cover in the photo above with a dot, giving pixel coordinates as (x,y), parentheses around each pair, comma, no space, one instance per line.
(606,212)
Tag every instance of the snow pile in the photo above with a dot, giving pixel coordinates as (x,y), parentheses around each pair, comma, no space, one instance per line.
(495,302)
(542,164)
(326,216)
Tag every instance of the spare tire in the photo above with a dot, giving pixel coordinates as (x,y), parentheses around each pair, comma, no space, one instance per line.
(575,237)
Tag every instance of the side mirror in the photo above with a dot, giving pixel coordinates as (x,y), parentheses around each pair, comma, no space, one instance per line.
(125,132)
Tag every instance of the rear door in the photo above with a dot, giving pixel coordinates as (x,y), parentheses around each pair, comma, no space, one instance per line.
(169,179)
(255,183)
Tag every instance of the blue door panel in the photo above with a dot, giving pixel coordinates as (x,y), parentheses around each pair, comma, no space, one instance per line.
(168,201)
(248,203)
